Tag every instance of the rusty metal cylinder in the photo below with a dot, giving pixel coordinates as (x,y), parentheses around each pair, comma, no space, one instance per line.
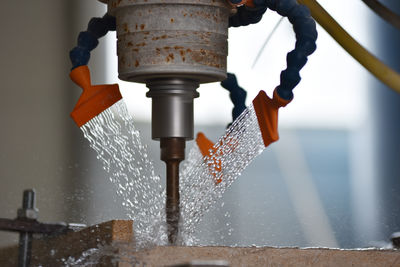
(171,38)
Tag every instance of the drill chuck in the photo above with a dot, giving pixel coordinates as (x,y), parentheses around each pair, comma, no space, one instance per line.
(172,107)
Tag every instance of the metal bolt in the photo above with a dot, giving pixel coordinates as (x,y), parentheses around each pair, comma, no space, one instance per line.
(28,210)
(28,201)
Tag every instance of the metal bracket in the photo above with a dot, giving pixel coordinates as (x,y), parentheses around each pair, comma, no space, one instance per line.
(26,224)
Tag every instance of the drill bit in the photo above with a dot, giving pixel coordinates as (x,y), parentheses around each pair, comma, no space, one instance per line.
(172,153)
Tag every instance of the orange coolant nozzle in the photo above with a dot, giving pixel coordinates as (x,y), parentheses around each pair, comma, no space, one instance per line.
(94,98)
(207,148)
(205,145)
(266,110)
(267,115)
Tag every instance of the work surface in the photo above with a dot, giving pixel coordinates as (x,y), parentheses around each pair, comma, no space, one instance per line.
(112,244)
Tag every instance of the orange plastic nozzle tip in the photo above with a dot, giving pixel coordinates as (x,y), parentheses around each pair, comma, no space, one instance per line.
(206,147)
(267,115)
(94,98)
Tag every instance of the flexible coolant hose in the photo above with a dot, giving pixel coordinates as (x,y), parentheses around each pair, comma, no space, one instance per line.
(305,30)
(88,40)
(380,70)
(236,93)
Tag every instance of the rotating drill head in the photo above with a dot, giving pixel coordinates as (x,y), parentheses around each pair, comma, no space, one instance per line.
(172,47)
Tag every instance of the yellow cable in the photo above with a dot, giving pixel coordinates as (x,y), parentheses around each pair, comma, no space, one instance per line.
(384,12)
(380,70)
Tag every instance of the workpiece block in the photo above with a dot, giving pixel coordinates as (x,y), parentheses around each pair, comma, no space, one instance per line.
(271,256)
(54,251)
(112,244)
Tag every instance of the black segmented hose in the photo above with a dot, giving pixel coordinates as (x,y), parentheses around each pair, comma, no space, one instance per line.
(237,95)
(306,34)
(88,40)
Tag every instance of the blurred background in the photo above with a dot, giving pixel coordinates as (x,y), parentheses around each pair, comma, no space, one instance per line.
(332,180)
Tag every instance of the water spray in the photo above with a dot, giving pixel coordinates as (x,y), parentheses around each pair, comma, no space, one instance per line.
(102,115)
(213,167)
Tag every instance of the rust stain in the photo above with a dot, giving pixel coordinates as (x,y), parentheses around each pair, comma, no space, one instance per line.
(178,47)
(185,14)
(136,27)
(172,20)
(170,57)
(142,26)
(135,49)
(125,27)
(206,36)
(130,44)
(167,47)
(161,37)
(141,44)
(188,50)
(137,64)
(158,51)
(207,57)
(183,53)
(146,32)
(203,14)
